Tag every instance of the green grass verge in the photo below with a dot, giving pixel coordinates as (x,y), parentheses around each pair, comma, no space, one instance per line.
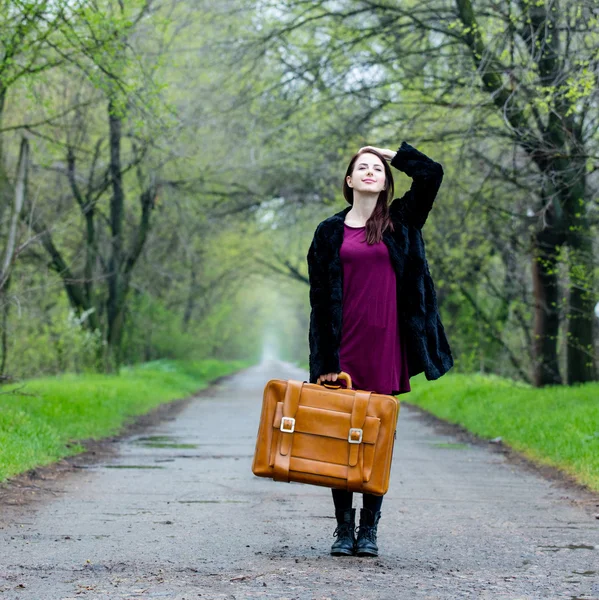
(557,425)
(43,419)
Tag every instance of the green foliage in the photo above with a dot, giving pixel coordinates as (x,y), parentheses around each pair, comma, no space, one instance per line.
(154,332)
(60,342)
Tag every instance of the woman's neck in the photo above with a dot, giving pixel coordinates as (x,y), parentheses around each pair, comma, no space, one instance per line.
(362,209)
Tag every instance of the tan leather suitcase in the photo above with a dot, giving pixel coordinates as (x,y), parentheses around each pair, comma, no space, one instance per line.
(326,435)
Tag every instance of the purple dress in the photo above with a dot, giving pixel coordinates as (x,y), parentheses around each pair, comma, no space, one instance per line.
(371,349)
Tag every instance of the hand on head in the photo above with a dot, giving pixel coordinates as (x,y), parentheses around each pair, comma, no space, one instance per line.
(388,154)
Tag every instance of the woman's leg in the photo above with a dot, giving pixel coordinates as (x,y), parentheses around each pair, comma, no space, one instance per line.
(372,502)
(366,544)
(342,499)
(346,523)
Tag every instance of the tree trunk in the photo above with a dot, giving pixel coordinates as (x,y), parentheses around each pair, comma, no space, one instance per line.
(5,307)
(122,261)
(116,291)
(581,268)
(546,314)
(88,212)
(581,310)
(5,187)
(15,212)
(191,299)
(116,312)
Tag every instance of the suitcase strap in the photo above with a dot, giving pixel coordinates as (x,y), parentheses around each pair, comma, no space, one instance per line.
(290,404)
(356,458)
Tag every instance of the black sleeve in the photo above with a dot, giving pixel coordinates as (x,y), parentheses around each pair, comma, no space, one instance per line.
(413,207)
(321,334)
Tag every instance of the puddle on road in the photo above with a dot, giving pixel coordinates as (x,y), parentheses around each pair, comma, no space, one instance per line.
(163,441)
(452,445)
(169,445)
(214,456)
(585,573)
(213,501)
(133,467)
(568,547)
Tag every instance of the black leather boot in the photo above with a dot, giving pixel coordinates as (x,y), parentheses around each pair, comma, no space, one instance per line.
(366,542)
(345,543)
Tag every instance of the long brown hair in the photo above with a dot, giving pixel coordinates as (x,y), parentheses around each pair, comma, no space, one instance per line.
(379,220)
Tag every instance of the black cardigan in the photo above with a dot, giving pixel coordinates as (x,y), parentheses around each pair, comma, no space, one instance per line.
(426,344)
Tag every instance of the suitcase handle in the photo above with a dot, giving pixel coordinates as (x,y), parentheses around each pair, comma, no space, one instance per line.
(335,386)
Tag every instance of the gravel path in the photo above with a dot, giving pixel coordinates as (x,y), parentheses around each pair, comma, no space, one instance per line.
(176,513)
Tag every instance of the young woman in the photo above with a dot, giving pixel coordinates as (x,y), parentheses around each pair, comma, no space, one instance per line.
(373,304)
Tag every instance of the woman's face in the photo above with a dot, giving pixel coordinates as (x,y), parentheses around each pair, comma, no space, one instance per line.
(368,174)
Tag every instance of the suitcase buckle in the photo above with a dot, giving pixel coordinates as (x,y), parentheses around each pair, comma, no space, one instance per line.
(355,435)
(287,425)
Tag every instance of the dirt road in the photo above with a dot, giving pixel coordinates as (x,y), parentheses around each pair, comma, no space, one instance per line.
(176,513)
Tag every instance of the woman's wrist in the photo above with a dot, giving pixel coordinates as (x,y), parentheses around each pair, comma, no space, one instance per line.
(387,153)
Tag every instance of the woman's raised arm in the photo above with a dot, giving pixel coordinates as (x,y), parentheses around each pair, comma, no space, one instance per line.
(413,207)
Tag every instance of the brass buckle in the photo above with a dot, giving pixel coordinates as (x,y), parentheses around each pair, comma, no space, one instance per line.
(351,438)
(287,425)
